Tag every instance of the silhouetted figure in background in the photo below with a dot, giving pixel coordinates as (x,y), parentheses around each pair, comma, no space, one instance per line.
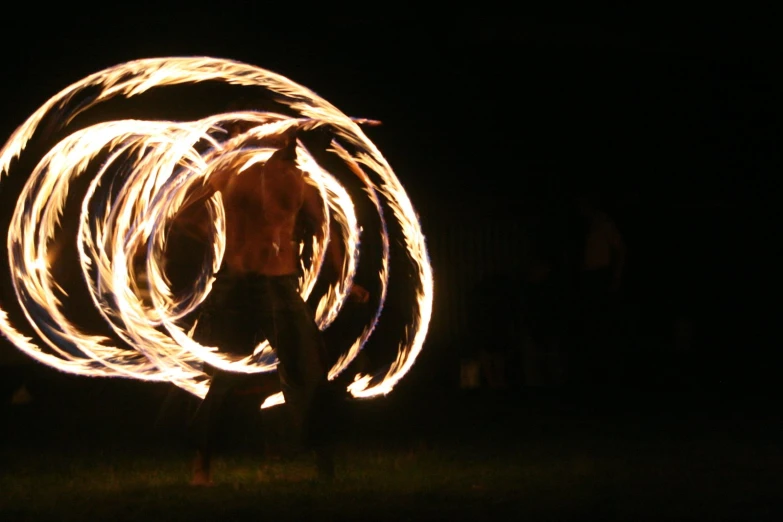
(599,280)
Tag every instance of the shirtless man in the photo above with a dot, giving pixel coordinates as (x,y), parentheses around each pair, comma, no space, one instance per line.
(255,296)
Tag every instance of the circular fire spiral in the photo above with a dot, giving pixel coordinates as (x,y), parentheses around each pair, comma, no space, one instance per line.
(145,171)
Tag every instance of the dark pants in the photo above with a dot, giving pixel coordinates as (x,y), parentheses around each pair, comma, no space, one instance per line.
(243,310)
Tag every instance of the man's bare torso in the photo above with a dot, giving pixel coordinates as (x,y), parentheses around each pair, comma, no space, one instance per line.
(262,204)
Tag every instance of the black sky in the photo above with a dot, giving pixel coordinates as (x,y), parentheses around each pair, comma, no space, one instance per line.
(668,111)
(678,124)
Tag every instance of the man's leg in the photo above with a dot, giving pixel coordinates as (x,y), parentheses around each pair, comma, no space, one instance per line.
(292,332)
(203,427)
(223,322)
(205,423)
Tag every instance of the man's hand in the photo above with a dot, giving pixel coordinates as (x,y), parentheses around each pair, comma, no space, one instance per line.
(358,294)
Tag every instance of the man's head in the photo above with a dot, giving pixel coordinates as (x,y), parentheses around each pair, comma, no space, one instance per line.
(285,155)
(288,150)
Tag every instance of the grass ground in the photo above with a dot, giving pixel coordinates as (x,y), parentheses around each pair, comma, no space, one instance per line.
(92,451)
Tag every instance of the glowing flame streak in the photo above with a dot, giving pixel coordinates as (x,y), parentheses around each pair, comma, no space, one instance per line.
(152,190)
(40,205)
(353,351)
(403,210)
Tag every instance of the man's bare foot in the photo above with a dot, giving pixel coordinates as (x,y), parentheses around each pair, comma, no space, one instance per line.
(200,478)
(201,474)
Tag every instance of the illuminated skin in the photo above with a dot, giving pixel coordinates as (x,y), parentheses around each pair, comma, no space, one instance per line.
(261,204)
(148,192)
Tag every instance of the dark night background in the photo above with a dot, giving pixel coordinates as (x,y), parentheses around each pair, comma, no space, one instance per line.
(493,123)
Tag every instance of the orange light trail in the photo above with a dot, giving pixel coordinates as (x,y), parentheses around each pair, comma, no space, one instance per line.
(136,192)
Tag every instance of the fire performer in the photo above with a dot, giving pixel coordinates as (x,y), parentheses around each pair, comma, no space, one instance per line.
(255,296)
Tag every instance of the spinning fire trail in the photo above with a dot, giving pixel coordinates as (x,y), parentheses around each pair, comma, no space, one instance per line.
(146,169)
